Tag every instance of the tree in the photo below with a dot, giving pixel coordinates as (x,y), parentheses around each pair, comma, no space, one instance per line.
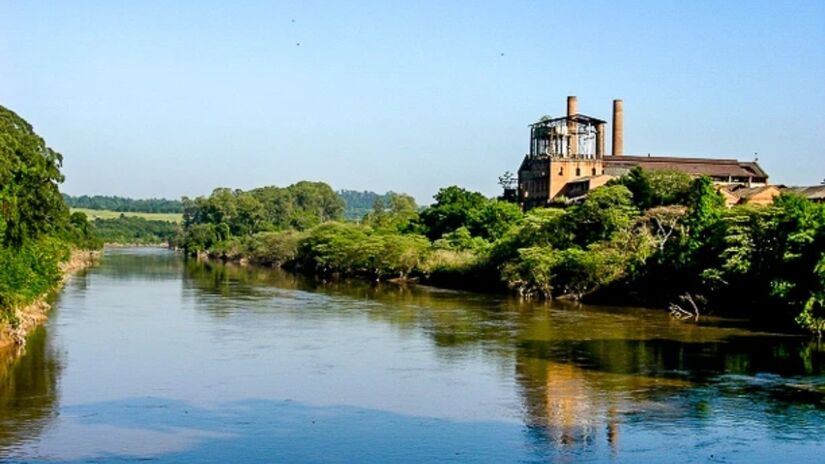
(656,188)
(665,223)
(532,273)
(495,218)
(507,180)
(200,237)
(30,202)
(316,202)
(250,214)
(238,213)
(454,207)
(36,230)
(399,255)
(705,206)
(395,211)
(606,210)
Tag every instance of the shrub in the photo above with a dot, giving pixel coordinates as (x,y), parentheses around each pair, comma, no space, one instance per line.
(274,248)
(28,272)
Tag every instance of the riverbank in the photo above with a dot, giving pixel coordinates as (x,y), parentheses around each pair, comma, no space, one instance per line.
(498,371)
(137,245)
(34,314)
(652,239)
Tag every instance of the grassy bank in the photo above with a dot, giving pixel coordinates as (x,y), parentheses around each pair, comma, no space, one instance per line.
(94,214)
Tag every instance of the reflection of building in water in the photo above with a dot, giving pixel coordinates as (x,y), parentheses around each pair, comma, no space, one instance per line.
(561,399)
(569,408)
(575,395)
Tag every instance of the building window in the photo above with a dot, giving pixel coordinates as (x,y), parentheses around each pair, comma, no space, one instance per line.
(594,171)
(561,171)
(578,172)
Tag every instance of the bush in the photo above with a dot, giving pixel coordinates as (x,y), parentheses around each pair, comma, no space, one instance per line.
(28,272)
(134,230)
(274,248)
(354,249)
(201,237)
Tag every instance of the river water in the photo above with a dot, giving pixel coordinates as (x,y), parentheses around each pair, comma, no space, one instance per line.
(152,357)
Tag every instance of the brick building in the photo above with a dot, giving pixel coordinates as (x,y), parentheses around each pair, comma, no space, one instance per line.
(567,159)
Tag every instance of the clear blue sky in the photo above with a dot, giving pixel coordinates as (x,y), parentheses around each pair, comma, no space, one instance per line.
(153,99)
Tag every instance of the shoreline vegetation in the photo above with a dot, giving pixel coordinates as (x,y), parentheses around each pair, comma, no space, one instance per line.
(651,238)
(137,245)
(40,239)
(30,316)
(132,230)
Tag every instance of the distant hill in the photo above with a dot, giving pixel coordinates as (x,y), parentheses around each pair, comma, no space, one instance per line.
(124,205)
(357,204)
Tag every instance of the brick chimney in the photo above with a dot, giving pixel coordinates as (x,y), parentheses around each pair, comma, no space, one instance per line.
(572,109)
(618,128)
(600,140)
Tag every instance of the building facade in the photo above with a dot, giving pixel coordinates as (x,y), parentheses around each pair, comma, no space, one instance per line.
(567,159)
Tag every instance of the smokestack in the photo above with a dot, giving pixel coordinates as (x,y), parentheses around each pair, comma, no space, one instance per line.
(618,128)
(600,140)
(572,106)
(572,109)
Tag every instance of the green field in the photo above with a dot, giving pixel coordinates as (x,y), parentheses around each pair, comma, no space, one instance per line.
(106,214)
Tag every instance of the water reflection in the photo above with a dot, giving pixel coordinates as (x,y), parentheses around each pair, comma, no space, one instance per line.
(392,372)
(581,371)
(139,264)
(272,431)
(28,390)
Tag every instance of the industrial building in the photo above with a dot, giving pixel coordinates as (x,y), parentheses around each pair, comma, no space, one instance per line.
(567,159)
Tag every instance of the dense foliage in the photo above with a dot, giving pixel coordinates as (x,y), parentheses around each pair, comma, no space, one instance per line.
(135,230)
(236,213)
(29,173)
(124,205)
(358,203)
(653,238)
(36,229)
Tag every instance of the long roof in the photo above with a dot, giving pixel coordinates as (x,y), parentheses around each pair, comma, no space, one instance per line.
(712,167)
(814,192)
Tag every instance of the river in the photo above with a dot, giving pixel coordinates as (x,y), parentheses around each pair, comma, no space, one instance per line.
(151,357)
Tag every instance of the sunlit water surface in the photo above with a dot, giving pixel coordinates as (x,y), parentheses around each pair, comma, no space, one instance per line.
(151,357)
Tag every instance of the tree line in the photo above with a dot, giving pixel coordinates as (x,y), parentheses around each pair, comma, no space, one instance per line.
(37,231)
(650,238)
(356,203)
(133,230)
(124,205)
